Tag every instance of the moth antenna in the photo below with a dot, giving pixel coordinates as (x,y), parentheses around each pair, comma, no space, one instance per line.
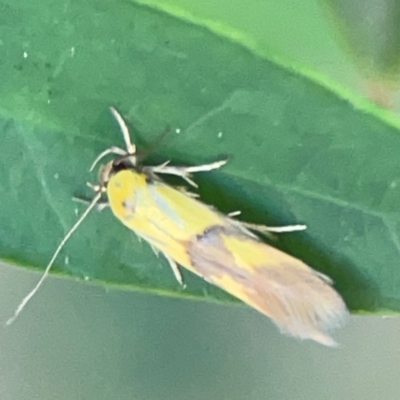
(51,262)
(130,147)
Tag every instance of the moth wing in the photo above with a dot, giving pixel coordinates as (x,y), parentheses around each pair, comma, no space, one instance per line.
(299,300)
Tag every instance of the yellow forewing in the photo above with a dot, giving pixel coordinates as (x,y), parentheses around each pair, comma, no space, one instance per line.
(298,299)
(166,217)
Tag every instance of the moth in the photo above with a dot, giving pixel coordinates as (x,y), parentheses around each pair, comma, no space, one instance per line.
(220,249)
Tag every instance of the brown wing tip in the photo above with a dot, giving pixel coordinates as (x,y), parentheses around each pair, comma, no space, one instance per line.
(325,340)
(330,317)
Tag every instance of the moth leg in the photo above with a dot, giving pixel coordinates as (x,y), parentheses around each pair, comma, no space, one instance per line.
(275,229)
(176,271)
(155,251)
(112,150)
(172,264)
(185,171)
(264,229)
(183,189)
(130,147)
(100,206)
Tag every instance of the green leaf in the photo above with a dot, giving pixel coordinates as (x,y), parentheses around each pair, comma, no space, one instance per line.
(298,152)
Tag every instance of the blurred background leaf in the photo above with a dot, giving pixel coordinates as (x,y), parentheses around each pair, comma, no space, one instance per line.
(370,33)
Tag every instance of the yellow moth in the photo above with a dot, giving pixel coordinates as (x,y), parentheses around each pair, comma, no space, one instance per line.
(218,248)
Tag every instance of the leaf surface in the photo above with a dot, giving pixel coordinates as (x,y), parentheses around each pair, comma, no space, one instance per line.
(298,153)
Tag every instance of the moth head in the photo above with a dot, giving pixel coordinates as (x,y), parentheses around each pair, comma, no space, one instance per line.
(105,173)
